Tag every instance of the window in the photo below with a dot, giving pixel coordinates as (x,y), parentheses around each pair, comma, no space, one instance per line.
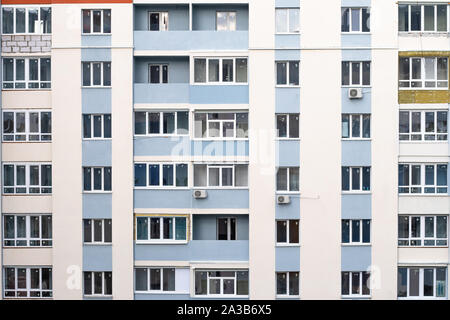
(423,125)
(356,126)
(288,73)
(356,73)
(161,123)
(158,21)
(226,228)
(429,72)
(288,179)
(221,125)
(27,230)
(356,179)
(287,20)
(221,175)
(355,20)
(97,231)
(355,231)
(25,178)
(96,74)
(96,21)
(33,125)
(27,282)
(422,178)
(428,231)
(288,232)
(225,21)
(220,70)
(221,283)
(355,284)
(288,283)
(423,17)
(160,175)
(423,283)
(20,20)
(161,229)
(158,73)
(97,179)
(288,125)
(96,126)
(97,283)
(161,280)
(26,73)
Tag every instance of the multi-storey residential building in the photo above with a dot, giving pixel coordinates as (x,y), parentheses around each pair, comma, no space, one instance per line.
(244,149)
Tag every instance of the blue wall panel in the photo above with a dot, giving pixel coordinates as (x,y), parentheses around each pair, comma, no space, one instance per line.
(356,258)
(287,258)
(356,206)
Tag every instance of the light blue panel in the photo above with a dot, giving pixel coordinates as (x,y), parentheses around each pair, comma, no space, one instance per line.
(356,55)
(178,16)
(97,206)
(161,93)
(196,250)
(287,41)
(217,199)
(97,258)
(362,105)
(356,40)
(288,211)
(356,206)
(95,54)
(287,258)
(220,94)
(178,68)
(287,55)
(96,100)
(204,16)
(355,3)
(356,153)
(97,153)
(220,148)
(287,100)
(356,258)
(288,153)
(191,40)
(143,296)
(287,3)
(96,41)
(205,226)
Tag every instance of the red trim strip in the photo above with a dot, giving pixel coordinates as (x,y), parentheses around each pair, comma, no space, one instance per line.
(63,1)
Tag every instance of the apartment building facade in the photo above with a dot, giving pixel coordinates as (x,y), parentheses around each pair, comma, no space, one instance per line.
(225,149)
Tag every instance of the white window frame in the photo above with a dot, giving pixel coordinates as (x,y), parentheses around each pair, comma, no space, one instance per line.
(28,288)
(220,121)
(220,82)
(288,191)
(93,294)
(287,279)
(422,133)
(288,118)
(161,272)
(422,238)
(220,166)
(161,186)
(287,21)
(161,239)
(91,74)
(91,32)
(360,190)
(361,126)
(161,123)
(288,233)
(422,186)
(28,237)
(27,132)
(353,295)
(162,14)
(92,223)
(361,233)
(229,27)
(161,66)
(27,184)
(421,283)
(288,85)
(228,223)
(361,75)
(102,129)
(27,9)
(422,17)
(26,80)
(350,20)
(422,78)
(222,279)
(102,190)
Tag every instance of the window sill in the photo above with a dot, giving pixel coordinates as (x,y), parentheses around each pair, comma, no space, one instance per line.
(287,139)
(97,295)
(27,89)
(27,194)
(160,292)
(103,244)
(355,192)
(96,34)
(289,245)
(356,244)
(21,142)
(140,242)
(422,247)
(96,139)
(160,135)
(96,87)
(215,83)
(287,33)
(97,192)
(26,247)
(162,188)
(419,33)
(26,34)
(287,86)
(356,139)
(356,297)
(216,296)
(424,141)
(281,192)
(220,188)
(368,33)
(423,89)
(357,86)
(441,195)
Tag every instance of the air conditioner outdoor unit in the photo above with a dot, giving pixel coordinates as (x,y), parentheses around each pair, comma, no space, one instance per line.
(200,194)
(355,93)
(283,199)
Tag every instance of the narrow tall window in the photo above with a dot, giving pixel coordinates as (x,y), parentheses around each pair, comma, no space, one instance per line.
(288,73)
(287,283)
(355,20)
(287,20)
(158,21)
(226,21)
(96,21)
